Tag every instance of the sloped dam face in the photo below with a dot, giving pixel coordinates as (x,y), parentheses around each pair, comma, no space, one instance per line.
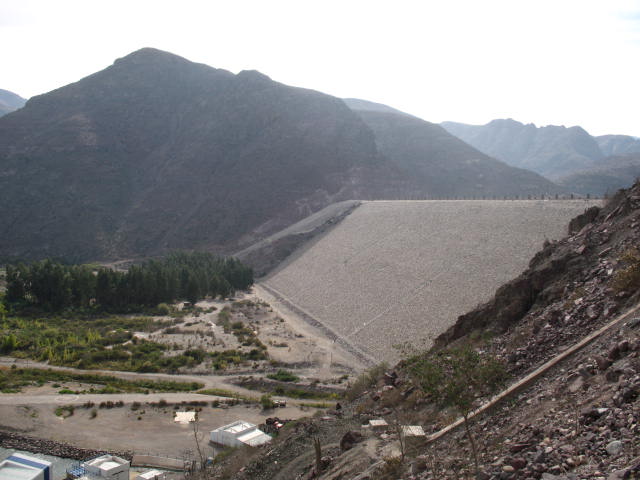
(403,271)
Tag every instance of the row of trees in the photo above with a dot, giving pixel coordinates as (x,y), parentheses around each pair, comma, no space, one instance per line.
(189,276)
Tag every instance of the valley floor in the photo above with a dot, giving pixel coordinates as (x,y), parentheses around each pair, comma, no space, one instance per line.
(144,421)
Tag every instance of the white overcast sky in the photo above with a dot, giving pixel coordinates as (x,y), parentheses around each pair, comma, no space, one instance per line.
(560,62)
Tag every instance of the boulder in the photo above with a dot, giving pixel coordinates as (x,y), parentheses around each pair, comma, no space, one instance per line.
(349,439)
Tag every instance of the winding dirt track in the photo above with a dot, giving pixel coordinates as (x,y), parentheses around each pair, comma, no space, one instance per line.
(209,381)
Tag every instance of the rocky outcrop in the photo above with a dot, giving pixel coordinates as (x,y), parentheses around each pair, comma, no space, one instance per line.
(17,441)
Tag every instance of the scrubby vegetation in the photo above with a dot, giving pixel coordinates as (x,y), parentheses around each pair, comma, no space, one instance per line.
(366,380)
(13,379)
(109,343)
(283,376)
(53,286)
(628,278)
(105,342)
(267,402)
(300,392)
(220,392)
(458,378)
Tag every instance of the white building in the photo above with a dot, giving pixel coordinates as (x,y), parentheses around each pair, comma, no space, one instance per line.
(152,475)
(239,433)
(104,466)
(378,424)
(24,467)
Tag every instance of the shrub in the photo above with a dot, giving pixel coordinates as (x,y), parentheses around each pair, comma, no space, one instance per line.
(365,381)
(392,468)
(458,378)
(283,376)
(267,402)
(163,309)
(65,411)
(628,278)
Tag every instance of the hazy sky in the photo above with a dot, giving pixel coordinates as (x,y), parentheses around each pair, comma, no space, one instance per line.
(561,62)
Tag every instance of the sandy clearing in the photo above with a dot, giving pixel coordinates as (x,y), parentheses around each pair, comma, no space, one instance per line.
(146,430)
(329,357)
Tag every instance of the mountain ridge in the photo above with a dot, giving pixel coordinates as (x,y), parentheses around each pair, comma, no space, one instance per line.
(156,153)
(553,151)
(10,102)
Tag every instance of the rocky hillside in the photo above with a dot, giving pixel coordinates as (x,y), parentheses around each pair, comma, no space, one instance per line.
(552,151)
(157,153)
(578,418)
(10,101)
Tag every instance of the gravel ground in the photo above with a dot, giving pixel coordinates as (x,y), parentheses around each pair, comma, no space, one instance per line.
(394,271)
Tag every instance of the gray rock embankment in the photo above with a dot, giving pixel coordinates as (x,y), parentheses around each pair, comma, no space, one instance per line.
(17,441)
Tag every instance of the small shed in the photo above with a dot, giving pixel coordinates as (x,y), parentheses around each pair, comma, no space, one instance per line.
(378,424)
(413,431)
(151,475)
(239,433)
(184,417)
(414,435)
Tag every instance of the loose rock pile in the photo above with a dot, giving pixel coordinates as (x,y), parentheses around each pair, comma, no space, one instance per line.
(16,441)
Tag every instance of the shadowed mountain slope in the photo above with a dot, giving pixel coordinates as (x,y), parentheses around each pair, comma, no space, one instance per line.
(618,144)
(552,151)
(612,174)
(9,102)
(444,164)
(156,153)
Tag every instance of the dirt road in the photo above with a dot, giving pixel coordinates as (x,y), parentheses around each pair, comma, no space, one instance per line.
(326,351)
(209,381)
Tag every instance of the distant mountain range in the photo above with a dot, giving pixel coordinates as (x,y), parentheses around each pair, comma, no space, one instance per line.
(10,101)
(613,173)
(556,152)
(438,162)
(157,153)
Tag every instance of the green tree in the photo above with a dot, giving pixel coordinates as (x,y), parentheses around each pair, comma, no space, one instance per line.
(9,343)
(16,283)
(459,378)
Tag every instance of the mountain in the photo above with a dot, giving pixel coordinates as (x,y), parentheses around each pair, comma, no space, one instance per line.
(366,105)
(613,173)
(9,102)
(436,159)
(552,151)
(618,144)
(157,153)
